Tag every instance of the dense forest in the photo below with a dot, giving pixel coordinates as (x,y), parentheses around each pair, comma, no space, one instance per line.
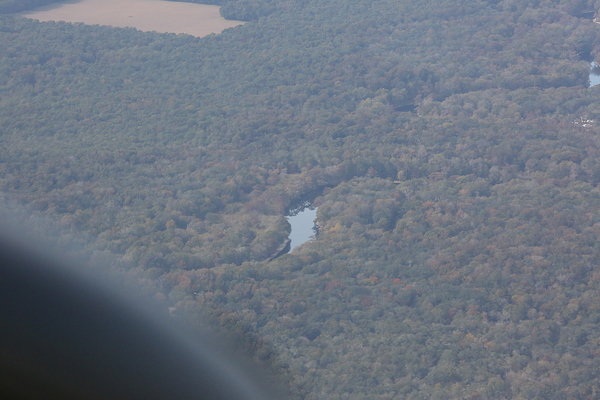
(15,6)
(451,146)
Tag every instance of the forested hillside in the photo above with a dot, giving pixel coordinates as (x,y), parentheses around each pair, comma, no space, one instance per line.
(15,6)
(451,147)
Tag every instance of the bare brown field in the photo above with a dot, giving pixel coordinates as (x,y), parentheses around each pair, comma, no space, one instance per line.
(145,15)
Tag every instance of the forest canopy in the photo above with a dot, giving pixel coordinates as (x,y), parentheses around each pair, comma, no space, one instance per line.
(451,148)
(15,6)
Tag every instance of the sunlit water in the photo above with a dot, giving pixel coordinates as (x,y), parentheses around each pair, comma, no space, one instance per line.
(594,74)
(303,225)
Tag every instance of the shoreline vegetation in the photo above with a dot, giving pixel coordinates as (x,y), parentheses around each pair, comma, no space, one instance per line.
(146,15)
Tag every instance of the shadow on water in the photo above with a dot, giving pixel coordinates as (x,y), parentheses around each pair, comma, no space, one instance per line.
(589,15)
(406,108)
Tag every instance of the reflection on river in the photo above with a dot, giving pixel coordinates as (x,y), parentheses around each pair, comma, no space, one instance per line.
(303,226)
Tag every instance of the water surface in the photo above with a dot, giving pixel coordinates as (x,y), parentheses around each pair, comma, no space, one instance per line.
(303,224)
(594,74)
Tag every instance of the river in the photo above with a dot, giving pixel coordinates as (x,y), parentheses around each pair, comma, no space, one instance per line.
(594,74)
(303,224)
(145,15)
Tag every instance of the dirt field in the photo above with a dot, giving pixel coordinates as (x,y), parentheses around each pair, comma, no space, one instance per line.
(146,15)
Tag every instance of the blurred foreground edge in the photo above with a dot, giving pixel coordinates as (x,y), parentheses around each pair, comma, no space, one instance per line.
(66,332)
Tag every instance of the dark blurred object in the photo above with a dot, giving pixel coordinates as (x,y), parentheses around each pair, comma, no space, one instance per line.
(66,332)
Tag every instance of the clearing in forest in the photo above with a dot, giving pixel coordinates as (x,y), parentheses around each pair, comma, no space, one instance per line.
(145,15)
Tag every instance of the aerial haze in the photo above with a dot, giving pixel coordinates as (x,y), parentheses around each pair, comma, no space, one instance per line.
(450,149)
